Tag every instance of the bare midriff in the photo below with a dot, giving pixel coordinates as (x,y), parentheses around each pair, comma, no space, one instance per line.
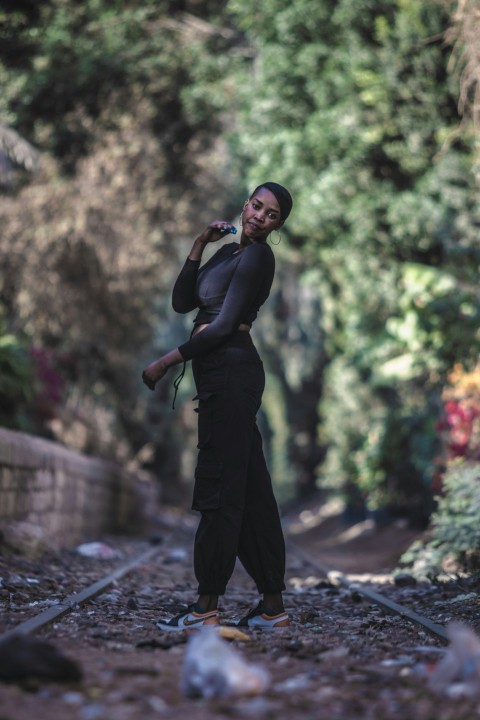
(243,327)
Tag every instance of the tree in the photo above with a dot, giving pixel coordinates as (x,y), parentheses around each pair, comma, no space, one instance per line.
(146,115)
(125,168)
(354,105)
(463,35)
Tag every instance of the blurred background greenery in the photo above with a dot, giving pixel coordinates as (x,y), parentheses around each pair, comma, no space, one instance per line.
(126,125)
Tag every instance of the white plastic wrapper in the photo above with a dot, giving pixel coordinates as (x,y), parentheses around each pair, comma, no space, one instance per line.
(98,550)
(458,673)
(212,668)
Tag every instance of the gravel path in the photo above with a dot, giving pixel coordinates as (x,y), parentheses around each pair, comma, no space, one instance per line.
(342,657)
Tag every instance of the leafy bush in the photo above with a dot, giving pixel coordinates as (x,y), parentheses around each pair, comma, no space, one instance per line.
(31,385)
(454,538)
(455,525)
(460,426)
(16,383)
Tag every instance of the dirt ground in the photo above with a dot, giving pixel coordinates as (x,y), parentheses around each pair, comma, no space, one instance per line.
(342,657)
(356,549)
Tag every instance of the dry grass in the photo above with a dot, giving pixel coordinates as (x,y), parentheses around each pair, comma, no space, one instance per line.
(464,34)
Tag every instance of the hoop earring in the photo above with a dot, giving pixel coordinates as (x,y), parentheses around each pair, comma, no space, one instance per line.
(241,214)
(279,238)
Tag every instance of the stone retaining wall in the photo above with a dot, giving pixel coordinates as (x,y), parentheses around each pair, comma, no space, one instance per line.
(71,497)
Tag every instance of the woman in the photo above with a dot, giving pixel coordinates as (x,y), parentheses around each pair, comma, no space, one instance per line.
(233,489)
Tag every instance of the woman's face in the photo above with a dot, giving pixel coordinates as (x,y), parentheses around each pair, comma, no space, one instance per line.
(261,215)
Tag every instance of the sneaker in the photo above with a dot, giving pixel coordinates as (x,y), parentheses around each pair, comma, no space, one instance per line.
(258,618)
(191,617)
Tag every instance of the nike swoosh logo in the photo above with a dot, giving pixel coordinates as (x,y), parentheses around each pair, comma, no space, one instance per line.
(192,622)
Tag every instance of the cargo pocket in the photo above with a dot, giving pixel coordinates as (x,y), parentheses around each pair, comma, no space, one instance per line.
(204,411)
(208,486)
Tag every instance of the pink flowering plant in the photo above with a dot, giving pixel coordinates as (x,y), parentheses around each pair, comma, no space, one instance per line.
(460,425)
(453,543)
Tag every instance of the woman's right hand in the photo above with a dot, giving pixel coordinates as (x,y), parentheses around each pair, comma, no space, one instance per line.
(212,233)
(215,231)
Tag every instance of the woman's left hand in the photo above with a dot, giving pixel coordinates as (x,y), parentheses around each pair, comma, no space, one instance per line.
(153,373)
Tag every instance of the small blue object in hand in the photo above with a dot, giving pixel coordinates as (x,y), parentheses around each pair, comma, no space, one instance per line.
(232,230)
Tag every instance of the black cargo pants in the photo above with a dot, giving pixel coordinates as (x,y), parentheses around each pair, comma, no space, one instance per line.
(233,488)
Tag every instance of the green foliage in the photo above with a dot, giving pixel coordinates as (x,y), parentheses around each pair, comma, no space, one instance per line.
(96,237)
(454,538)
(17,384)
(83,56)
(352,110)
(437,311)
(147,113)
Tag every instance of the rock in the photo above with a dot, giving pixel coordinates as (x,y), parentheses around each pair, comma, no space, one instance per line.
(404,580)
(23,658)
(24,538)
(175,555)
(308,616)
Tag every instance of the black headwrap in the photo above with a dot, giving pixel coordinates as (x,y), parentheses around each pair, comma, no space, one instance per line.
(284,198)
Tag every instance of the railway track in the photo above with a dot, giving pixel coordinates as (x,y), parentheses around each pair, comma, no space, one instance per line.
(385,603)
(75,600)
(353,650)
(72,602)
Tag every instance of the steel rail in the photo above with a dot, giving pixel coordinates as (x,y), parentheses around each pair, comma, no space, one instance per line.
(73,601)
(376,597)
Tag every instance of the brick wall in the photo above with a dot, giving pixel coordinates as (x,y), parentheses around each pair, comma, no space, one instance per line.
(71,497)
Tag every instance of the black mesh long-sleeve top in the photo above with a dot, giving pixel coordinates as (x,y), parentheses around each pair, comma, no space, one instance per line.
(228,291)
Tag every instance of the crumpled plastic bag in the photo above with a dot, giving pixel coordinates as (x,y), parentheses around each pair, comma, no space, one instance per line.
(212,668)
(458,672)
(98,550)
